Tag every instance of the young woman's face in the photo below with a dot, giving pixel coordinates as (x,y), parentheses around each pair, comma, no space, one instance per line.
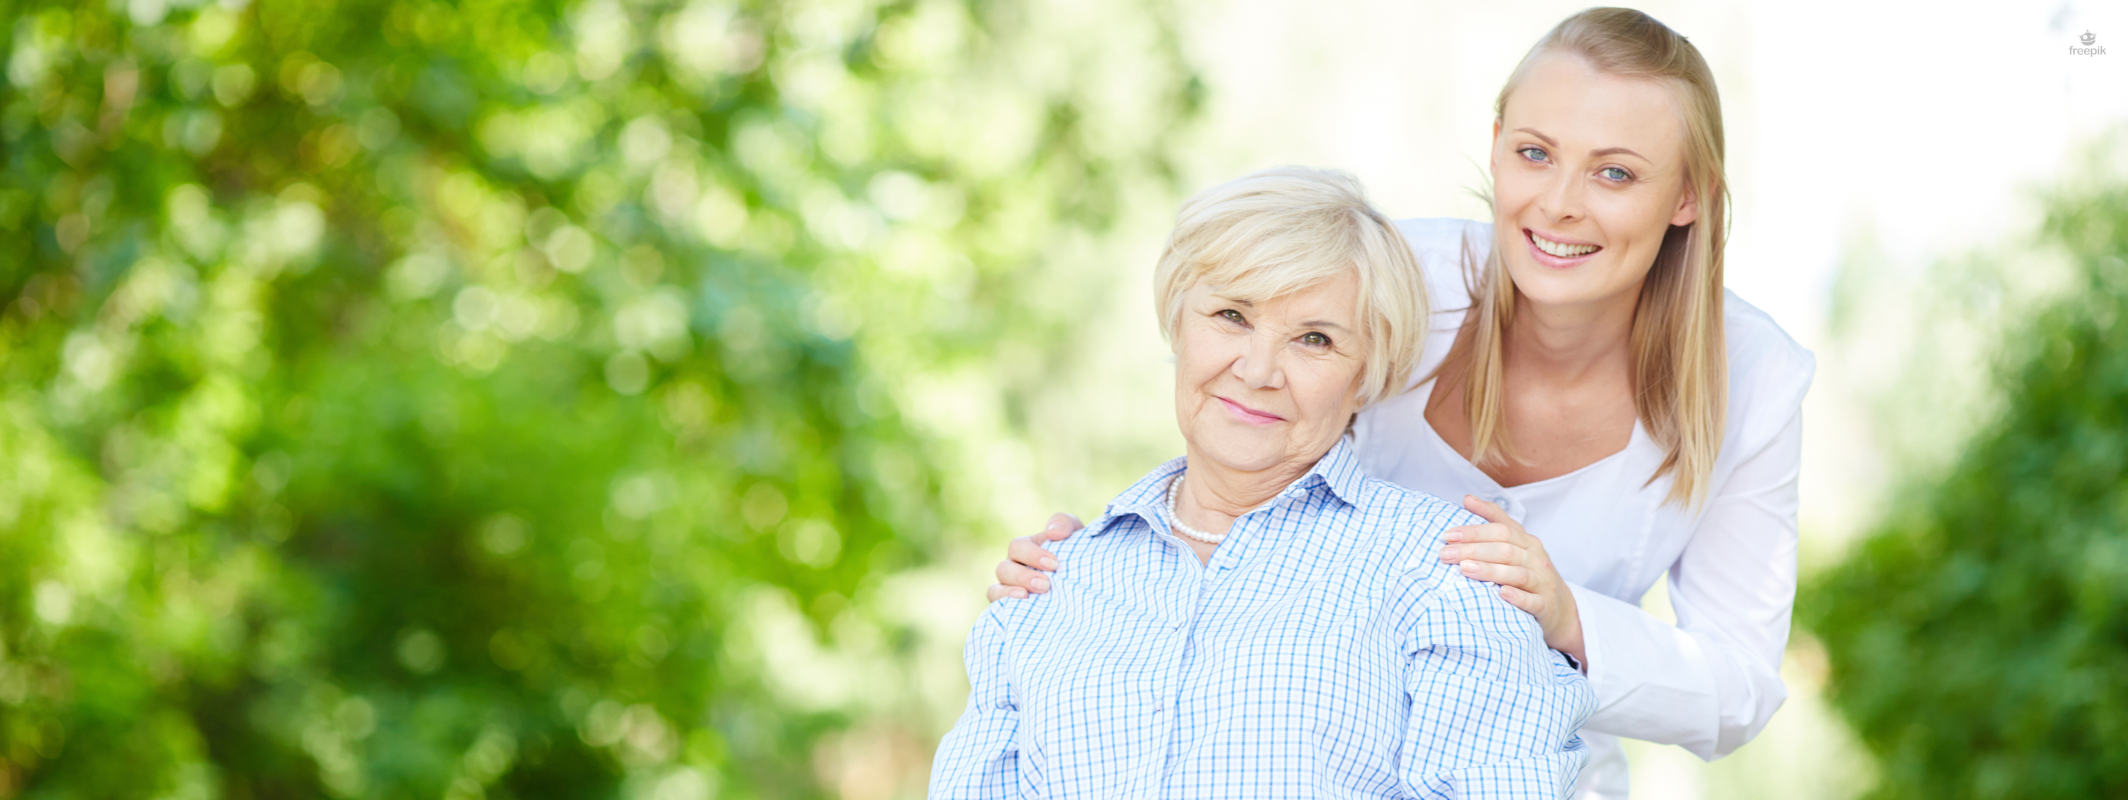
(1588,176)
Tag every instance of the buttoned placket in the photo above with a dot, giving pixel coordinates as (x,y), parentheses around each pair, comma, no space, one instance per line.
(1181,622)
(1182,627)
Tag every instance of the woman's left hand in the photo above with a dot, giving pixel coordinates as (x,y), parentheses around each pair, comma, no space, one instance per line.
(1502,552)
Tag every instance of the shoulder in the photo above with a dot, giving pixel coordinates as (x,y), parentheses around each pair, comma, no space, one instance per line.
(1769,373)
(1408,522)
(1088,560)
(1436,601)
(1443,247)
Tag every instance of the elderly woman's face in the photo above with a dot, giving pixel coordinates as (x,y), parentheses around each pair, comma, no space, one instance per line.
(1270,384)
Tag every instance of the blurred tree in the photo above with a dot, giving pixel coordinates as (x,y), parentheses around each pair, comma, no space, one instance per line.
(411,398)
(1978,639)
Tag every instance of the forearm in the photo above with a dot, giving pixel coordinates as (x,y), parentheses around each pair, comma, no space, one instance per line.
(977,759)
(1712,681)
(976,762)
(1660,683)
(1494,711)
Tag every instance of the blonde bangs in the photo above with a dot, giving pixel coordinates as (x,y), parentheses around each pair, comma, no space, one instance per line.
(1280,231)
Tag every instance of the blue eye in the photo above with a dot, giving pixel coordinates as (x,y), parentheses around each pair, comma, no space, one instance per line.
(1534,154)
(1616,174)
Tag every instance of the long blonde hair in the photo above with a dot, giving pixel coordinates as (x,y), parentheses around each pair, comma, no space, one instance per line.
(1680,366)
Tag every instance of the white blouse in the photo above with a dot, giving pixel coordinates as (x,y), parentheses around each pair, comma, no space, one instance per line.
(1710,682)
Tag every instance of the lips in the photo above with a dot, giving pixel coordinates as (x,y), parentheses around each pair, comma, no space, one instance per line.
(1249,415)
(1546,251)
(1558,248)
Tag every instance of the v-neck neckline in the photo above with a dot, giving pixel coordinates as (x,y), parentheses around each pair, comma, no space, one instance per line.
(1441,442)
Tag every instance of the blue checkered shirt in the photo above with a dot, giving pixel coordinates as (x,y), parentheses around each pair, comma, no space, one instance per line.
(1323,652)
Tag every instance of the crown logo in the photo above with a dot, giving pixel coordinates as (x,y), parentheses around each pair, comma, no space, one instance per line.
(2088,38)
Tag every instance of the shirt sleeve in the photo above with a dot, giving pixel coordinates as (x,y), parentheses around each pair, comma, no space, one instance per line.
(1711,682)
(978,758)
(1493,711)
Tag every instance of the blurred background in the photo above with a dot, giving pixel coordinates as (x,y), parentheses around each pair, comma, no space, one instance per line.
(628,398)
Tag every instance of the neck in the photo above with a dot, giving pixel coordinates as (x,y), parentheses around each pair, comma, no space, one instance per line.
(1571,343)
(1214,495)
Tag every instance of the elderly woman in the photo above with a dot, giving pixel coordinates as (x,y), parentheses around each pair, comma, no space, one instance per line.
(1259,618)
(1590,378)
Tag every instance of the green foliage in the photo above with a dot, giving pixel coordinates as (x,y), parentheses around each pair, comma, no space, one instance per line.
(410,398)
(1978,640)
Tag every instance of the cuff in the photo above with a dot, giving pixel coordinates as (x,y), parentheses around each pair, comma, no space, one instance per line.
(1649,678)
(1598,612)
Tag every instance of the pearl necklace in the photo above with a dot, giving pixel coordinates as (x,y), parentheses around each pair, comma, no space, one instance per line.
(1174,490)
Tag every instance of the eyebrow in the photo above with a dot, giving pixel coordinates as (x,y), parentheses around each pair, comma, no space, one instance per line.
(1604,152)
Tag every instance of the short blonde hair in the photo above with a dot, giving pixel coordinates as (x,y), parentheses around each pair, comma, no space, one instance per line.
(1680,363)
(1283,230)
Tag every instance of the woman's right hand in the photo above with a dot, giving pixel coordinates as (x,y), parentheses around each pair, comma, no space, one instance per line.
(1026,560)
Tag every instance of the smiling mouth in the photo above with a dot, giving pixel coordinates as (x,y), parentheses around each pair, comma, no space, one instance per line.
(1559,249)
(1248,414)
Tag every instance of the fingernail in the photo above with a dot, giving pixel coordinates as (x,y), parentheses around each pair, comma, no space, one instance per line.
(1049,563)
(1451,553)
(1020,593)
(1453,536)
(1039,584)
(1470,566)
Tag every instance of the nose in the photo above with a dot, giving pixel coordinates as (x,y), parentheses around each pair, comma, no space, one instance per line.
(1562,198)
(1259,367)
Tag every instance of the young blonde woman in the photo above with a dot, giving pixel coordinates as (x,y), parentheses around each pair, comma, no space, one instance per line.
(1592,391)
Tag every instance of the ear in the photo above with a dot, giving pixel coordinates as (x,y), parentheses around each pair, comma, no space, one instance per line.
(1493,152)
(1687,208)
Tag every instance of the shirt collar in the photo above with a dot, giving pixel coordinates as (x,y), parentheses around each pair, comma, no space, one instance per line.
(1338,469)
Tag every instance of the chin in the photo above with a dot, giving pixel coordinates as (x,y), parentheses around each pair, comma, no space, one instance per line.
(1543,285)
(1552,287)
(1238,462)
(1238,456)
